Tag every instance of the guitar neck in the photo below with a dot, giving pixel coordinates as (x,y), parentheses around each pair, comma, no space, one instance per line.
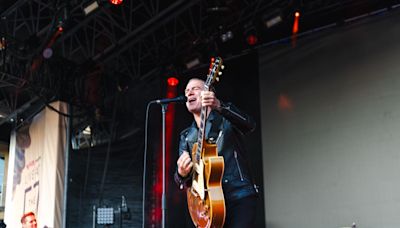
(201,134)
(213,71)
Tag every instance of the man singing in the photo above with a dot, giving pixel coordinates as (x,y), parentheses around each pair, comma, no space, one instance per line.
(226,125)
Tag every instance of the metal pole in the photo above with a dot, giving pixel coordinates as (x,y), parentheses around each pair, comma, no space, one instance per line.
(66,164)
(120,216)
(164,200)
(94,217)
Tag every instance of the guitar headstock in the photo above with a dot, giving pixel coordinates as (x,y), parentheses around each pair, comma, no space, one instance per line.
(215,71)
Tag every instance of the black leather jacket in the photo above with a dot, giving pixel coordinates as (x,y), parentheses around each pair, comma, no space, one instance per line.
(226,127)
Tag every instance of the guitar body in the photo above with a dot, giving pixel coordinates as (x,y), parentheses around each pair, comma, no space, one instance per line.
(205,197)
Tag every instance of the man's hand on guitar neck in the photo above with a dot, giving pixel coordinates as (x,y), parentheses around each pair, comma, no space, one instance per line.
(209,99)
(185,164)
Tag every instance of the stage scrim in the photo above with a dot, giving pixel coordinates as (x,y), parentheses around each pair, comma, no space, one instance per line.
(36,171)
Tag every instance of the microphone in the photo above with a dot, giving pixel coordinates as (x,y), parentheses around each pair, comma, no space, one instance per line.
(180,99)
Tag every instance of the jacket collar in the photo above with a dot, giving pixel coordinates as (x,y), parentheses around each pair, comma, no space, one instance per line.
(194,129)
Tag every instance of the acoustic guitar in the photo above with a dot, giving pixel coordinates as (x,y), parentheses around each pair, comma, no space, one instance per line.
(205,197)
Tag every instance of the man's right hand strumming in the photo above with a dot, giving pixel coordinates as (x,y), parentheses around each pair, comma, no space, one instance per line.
(185,164)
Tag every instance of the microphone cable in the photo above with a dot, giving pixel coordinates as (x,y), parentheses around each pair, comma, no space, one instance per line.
(145,164)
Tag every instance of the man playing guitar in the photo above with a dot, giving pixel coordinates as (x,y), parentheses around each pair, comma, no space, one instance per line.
(225,127)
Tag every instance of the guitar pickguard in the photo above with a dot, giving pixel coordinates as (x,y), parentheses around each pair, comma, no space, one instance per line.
(198,180)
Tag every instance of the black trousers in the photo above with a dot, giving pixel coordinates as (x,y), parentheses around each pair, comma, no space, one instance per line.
(241,213)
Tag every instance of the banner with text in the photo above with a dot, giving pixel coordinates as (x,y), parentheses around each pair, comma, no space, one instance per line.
(35,182)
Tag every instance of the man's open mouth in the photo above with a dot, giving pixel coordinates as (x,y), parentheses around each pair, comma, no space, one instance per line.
(191,100)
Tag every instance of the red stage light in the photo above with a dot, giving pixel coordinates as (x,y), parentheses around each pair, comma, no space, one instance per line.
(172,81)
(116,2)
(295,28)
(252,39)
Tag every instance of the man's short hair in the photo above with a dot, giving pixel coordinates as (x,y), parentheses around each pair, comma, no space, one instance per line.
(211,87)
(26,215)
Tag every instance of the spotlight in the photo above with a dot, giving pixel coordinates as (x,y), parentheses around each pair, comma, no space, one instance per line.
(105,216)
(63,19)
(172,81)
(47,53)
(87,130)
(250,33)
(252,39)
(116,2)
(91,7)
(226,36)
(273,18)
(295,28)
(192,63)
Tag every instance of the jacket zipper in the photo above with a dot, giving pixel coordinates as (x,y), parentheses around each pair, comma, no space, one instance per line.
(236,114)
(238,166)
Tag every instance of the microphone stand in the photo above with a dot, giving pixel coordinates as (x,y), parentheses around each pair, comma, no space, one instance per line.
(164,105)
(164,200)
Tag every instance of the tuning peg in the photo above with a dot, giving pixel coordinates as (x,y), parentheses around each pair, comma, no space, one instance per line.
(219,73)
(217,79)
(222,67)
